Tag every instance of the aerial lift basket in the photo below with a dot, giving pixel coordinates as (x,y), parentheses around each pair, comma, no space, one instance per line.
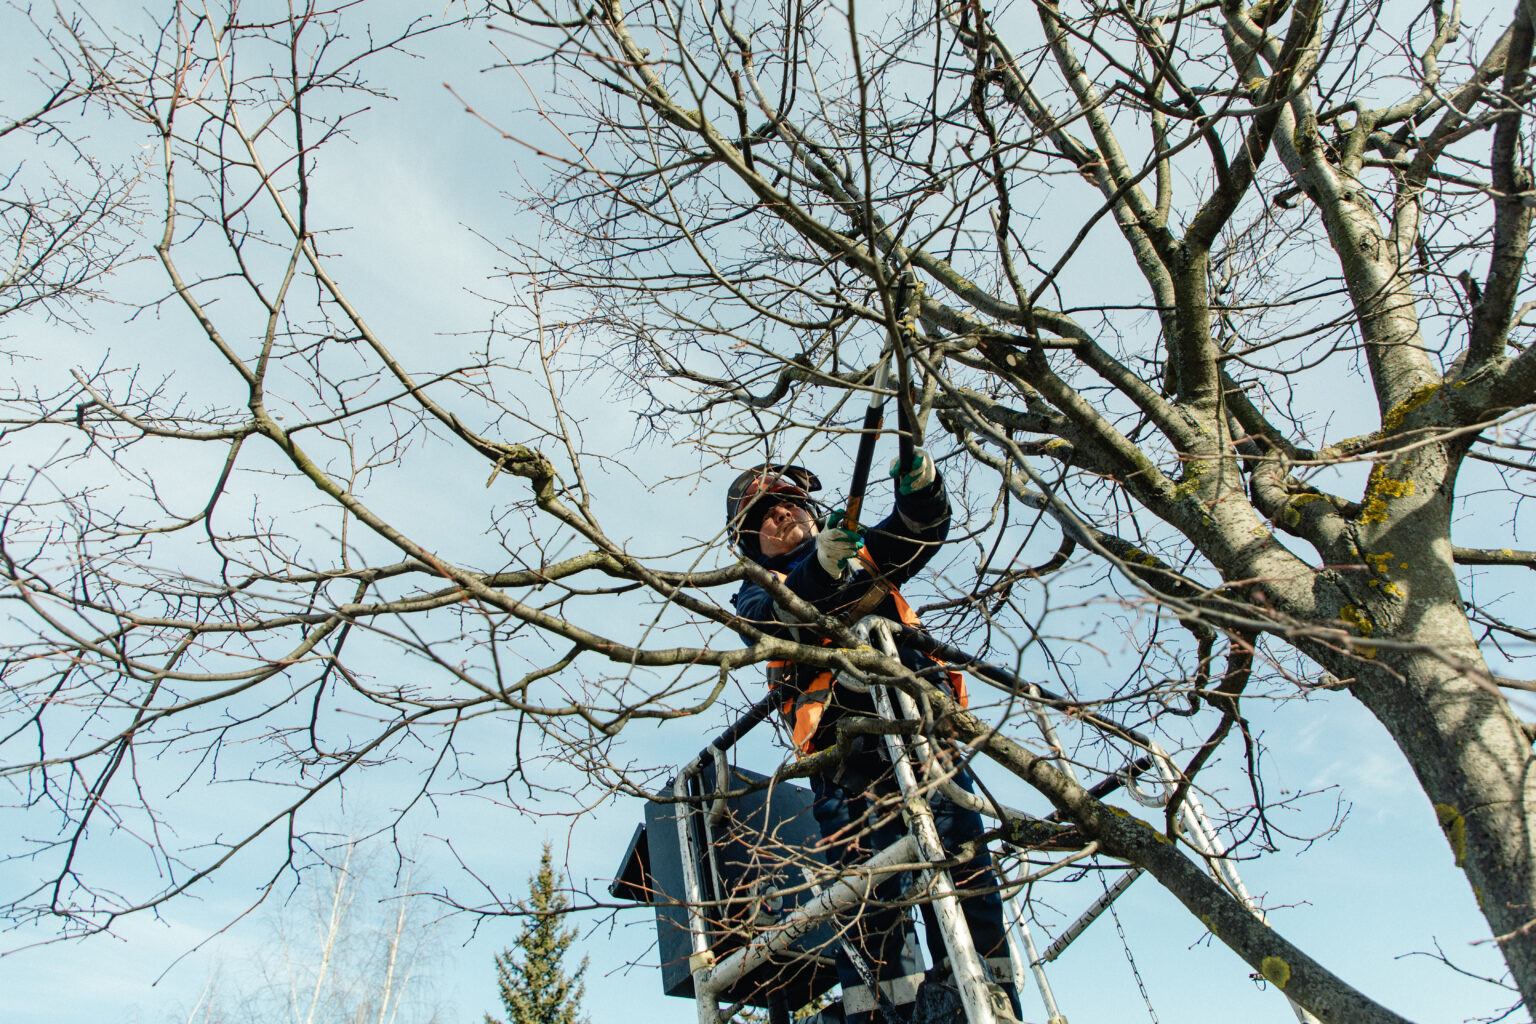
(746,848)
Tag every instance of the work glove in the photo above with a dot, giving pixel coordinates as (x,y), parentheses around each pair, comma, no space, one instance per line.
(835,545)
(917,476)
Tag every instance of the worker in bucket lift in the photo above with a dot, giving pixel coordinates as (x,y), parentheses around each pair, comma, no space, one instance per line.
(856,573)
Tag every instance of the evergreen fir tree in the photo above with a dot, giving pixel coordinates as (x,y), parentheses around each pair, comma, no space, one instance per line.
(533,984)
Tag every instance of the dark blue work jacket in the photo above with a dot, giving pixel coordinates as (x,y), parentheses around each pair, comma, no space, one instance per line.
(899,547)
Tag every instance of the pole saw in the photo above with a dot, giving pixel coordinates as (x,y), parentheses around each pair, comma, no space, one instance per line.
(874,416)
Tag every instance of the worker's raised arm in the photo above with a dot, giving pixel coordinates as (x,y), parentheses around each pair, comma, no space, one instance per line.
(907,538)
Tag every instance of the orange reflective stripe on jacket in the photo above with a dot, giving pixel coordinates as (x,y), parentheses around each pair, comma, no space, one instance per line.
(804,710)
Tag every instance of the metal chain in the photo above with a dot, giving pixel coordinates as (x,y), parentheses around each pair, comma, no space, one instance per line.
(1130,958)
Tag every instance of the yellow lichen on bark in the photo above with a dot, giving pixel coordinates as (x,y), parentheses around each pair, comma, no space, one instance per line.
(1136,556)
(1290,513)
(1357,618)
(1363,625)
(1378,491)
(1191,482)
(1455,828)
(1395,415)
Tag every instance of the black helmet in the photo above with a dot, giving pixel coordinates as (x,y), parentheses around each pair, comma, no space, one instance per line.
(742,507)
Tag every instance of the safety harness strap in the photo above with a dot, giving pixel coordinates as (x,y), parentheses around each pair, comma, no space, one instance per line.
(804,710)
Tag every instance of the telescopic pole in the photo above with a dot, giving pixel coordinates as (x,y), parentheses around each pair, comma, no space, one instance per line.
(874,417)
(906,432)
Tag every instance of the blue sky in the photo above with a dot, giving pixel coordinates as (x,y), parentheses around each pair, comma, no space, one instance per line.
(423,180)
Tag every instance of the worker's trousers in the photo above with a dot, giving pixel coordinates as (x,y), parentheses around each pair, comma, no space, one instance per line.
(857,809)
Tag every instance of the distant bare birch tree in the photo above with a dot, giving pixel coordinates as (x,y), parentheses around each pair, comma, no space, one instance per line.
(348,951)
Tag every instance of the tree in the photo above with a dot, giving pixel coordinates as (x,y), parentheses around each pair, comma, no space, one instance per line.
(347,951)
(533,985)
(778,178)
(1142,267)
(66,213)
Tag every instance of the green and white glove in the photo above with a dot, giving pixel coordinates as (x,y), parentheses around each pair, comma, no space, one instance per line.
(836,545)
(919,475)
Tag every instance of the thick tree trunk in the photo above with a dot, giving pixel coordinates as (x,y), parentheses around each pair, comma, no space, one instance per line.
(1428,684)
(1473,759)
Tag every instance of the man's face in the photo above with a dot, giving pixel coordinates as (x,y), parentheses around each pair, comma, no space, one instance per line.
(785,527)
